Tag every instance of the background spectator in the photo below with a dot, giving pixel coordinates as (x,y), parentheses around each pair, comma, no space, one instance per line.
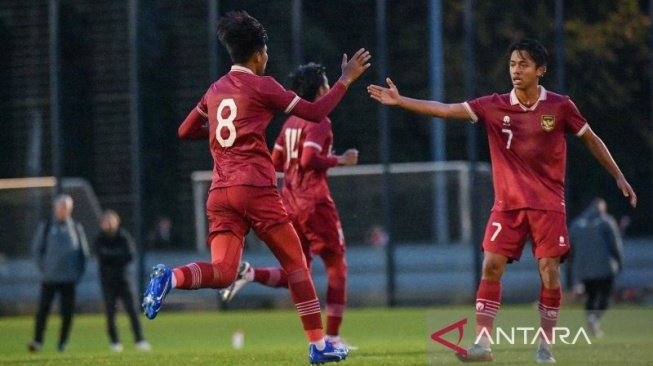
(595,260)
(60,249)
(115,250)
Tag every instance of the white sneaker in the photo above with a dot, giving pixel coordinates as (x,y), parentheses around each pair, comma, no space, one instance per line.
(241,280)
(143,346)
(116,347)
(339,342)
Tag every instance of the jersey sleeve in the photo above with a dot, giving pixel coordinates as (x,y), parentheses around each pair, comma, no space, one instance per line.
(575,123)
(202,106)
(313,156)
(320,109)
(279,98)
(276,96)
(477,108)
(194,127)
(317,135)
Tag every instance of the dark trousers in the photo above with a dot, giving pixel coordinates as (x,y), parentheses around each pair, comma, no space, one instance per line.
(66,292)
(598,292)
(113,291)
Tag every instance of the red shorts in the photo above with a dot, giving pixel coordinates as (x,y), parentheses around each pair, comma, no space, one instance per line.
(507,231)
(239,208)
(320,229)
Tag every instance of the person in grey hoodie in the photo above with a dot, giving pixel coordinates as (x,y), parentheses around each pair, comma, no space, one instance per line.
(596,259)
(60,249)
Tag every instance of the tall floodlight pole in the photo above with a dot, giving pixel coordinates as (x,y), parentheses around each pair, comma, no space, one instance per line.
(297,33)
(382,37)
(135,132)
(55,95)
(472,141)
(438,131)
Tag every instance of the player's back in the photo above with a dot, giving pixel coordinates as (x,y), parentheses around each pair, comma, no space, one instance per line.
(240,106)
(305,185)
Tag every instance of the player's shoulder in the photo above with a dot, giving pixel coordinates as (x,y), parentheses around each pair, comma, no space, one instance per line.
(256,83)
(494,98)
(557,98)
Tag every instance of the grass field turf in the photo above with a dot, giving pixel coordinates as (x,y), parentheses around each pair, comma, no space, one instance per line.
(273,337)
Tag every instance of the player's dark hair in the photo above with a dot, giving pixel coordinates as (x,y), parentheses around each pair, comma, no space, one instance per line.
(307,80)
(242,35)
(535,49)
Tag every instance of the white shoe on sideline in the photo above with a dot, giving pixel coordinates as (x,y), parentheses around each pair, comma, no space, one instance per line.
(143,346)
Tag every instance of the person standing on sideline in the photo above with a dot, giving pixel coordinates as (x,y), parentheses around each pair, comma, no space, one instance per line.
(303,153)
(243,194)
(596,259)
(526,132)
(60,249)
(115,250)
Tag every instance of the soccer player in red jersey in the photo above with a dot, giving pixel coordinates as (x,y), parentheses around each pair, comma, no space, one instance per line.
(526,133)
(303,153)
(243,193)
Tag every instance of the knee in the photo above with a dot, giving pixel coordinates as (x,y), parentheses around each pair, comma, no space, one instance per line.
(337,272)
(492,270)
(550,274)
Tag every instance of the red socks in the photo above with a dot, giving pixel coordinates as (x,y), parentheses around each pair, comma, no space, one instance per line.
(488,302)
(549,307)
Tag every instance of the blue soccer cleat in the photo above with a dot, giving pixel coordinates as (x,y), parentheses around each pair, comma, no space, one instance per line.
(160,285)
(330,353)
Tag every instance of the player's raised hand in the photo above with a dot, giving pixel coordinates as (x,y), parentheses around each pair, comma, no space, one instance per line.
(352,69)
(383,95)
(627,191)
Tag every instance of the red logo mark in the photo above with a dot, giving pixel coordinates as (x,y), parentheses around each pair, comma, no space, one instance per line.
(437,336)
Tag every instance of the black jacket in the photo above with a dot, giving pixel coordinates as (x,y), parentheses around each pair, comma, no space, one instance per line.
(114,255)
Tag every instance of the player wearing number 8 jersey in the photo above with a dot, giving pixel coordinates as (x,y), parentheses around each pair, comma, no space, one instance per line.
(303,152)
(243,195)
(526,132)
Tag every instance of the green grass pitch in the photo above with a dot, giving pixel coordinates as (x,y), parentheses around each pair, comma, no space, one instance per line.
(398,337)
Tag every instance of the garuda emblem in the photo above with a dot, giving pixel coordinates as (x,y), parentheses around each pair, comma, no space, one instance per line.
(548,123)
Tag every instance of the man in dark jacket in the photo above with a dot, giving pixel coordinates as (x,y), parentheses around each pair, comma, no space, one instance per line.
(60,249)
(115,250)
(596,259)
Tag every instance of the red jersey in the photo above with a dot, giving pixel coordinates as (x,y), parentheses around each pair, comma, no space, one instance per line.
(527,147)
(305,185)
(240,106)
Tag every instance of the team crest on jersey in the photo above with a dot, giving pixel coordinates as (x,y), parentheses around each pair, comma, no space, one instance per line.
(548,123)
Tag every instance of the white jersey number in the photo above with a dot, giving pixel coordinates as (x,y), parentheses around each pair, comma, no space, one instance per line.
(227,123)
(496,233)
(509,132)
(292,144)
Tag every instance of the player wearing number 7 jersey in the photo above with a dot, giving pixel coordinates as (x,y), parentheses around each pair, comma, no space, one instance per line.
(243,193)
(526,132)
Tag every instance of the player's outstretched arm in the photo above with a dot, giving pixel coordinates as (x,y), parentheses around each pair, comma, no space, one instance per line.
(390,96)
(194,127)
(602,154)
(351,70)
(354,68)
